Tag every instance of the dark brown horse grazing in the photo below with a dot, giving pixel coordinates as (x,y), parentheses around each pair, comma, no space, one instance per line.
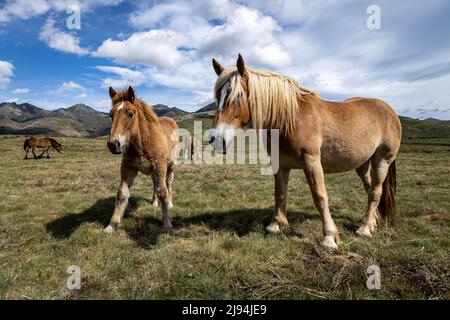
(149,145)
(316,135)
(41,143)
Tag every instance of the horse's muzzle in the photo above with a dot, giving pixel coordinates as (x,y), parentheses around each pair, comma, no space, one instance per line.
(114,147)
(220,145)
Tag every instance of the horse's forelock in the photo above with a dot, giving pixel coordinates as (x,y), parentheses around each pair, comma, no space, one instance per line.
(231,76)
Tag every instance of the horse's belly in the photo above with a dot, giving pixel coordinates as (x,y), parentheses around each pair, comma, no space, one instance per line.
(335,160)
(142,165)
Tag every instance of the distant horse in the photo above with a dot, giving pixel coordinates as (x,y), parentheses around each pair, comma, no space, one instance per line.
(149,145)
(194,149)
(41,143)
(316,135)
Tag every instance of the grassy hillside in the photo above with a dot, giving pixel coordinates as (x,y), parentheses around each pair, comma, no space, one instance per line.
(432,130)
(52,213)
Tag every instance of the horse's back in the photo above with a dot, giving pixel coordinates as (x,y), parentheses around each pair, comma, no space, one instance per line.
(352,131)
(170,129)
(380,114)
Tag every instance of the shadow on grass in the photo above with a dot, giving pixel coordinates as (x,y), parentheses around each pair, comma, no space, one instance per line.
(146,230)
(241,222)
(101,211)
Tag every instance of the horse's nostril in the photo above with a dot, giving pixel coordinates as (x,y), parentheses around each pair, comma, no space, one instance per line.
(212,139)
(113,145)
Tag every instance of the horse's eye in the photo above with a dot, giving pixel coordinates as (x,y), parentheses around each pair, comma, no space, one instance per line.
(130,114)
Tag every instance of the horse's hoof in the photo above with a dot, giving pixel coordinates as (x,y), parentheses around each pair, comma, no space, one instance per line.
(170,205)
(273,228)
(109,229)
(328,242)
(155,203)
(364,231)
(167,226)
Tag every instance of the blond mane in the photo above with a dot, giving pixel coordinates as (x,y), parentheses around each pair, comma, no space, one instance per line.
(148,112)
(273,99)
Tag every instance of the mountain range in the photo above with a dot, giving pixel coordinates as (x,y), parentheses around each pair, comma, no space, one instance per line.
(78,120)
(83,121)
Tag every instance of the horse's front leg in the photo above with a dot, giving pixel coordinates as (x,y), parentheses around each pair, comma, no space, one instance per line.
(154,196)
(281,185)
(26,154)
(42,153)
(123,193)
(314,174)
(163,195)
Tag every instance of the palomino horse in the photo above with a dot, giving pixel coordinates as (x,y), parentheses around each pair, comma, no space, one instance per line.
(149,145)
(316,135)
(195,147)
(41,143)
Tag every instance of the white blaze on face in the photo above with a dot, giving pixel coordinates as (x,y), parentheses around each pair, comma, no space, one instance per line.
(223,94)
(122,140)
(225,131)
(120,107)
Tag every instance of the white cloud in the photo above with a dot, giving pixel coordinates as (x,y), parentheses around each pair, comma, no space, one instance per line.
(176,49)
(154,47)
(23,9)
(71,89)
(127,77)
(71,85)
(251,33)
(103,105)
(21,91)
(26,9)
(60,40)
(6,73)
(181,14)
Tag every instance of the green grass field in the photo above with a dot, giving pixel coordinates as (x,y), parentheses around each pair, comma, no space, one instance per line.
(52,212)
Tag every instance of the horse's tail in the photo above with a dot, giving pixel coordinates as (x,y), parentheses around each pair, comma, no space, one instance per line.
(56,145)
(387,207)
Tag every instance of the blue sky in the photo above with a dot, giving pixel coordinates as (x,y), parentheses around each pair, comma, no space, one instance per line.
(164,49)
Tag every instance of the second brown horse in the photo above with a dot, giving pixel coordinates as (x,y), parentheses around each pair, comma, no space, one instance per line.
(41,143)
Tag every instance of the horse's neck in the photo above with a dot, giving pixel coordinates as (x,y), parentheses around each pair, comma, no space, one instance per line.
(146,127)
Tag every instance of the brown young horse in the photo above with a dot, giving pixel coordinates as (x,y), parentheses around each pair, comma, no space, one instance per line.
(41,143)
(316,135)
(149,145)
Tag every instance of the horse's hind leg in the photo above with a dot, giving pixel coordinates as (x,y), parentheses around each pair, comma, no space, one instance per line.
(169,181)
(46,151)
(364,173)
(281,185)
(123,193)
(163,195)
(314,174)
(378,171)
(154,196)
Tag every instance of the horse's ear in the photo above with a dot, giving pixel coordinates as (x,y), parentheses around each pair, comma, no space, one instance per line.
(130,94)
(240,65)
(112,92)
(218,68)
